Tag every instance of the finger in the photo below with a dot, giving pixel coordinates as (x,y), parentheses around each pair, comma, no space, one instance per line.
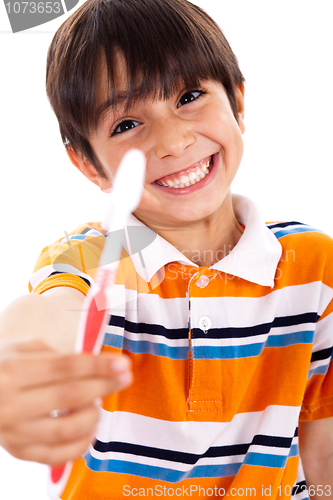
(72,394)
(54,455)
(30,371)
(10,348)
(53,431)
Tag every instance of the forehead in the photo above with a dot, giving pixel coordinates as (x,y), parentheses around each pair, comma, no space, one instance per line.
(121,85)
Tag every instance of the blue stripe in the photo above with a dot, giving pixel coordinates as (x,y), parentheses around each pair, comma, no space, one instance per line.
(295,230)
(293,450)
(78,237)
(320,370)
(152,472)
(112,340)
(146,347)
(206,352)
(246,351)
(260,459)
(305,337)
(227,352)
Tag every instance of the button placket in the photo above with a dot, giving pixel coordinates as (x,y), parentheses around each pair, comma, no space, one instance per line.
(205,380)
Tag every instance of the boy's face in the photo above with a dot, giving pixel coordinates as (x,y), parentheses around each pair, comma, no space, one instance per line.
(193,145)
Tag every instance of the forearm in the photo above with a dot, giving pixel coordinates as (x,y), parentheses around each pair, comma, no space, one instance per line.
(316,450)
(52,317)
(319,478)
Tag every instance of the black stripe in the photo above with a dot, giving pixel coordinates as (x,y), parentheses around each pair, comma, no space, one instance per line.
(252,331)
(170,455)
(296,319)
(214,333)
(299,487)
(323,354)
(191,458)
(277,442)
(86,230)
(285,224)
(177,333)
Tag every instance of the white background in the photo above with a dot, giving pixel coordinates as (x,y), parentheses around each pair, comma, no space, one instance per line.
(285,53)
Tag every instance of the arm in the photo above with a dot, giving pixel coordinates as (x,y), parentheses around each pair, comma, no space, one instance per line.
(38,374)
(316,450)
(29,318)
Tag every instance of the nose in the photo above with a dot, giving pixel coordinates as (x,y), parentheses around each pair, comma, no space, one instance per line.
(172,136)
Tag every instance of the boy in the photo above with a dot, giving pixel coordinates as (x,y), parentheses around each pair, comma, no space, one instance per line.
(221,342)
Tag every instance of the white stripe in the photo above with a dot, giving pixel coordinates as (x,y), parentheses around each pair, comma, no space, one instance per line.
(268,450)
(323,335)
(225,311)
(196,437)
(203,342)
(154,339)
(152,309)
(251,311)
(167,464)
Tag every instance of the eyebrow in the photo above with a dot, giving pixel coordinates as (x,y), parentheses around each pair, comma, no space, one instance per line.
(115,99)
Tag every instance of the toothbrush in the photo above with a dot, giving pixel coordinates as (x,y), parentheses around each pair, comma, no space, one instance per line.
(124,199)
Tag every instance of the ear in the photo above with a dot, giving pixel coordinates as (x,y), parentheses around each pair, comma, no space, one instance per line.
(239,92)
(88,170)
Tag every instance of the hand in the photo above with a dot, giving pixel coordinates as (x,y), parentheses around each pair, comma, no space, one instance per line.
(35,380)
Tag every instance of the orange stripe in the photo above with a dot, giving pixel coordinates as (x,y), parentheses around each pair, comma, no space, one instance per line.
(70,280)
(220,388)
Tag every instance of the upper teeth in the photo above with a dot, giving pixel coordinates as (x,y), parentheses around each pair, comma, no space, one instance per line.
(187,179)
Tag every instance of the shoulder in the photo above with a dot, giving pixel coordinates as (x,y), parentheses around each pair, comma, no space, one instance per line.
(307,252)
(294,234)
(83,245)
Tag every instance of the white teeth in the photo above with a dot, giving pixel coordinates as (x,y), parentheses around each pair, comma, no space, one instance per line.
(191,178)
(204,165)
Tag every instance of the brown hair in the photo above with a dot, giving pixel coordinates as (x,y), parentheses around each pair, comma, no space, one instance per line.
(162,42)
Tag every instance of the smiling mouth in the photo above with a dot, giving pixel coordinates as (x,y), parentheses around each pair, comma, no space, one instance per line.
(188,177)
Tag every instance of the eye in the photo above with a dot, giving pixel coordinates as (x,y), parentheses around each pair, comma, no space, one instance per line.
(124,126)
(191,96)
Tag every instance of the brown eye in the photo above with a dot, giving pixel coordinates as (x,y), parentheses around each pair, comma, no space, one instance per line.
(189,97)
(125,126)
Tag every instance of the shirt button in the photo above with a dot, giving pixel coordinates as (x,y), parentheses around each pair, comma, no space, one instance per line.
(203,281)
(204,323)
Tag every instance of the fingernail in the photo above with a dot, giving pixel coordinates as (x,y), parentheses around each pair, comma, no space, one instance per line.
(125,379)
(98,402)
(119,364)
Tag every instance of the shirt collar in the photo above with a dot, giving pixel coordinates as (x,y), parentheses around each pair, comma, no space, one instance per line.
(254,258)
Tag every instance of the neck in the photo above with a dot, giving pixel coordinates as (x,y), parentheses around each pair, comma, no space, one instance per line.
(206,241)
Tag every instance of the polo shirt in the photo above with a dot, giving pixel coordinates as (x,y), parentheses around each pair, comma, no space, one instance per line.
(226,360)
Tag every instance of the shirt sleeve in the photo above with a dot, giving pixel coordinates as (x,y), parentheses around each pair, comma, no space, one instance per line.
(318,396)
(69,261)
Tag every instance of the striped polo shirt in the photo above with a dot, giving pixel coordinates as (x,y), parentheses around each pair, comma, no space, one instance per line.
(226,359)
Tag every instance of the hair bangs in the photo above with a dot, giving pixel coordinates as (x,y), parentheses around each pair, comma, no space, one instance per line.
(158,55)
(161,46)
